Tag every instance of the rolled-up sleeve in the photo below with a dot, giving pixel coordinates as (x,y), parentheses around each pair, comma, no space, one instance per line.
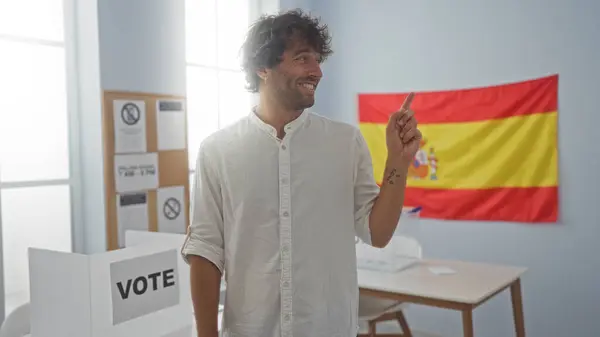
(366,189)
(205,232)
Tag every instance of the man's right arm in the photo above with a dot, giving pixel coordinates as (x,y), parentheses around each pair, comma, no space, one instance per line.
(205,280)
(203,247)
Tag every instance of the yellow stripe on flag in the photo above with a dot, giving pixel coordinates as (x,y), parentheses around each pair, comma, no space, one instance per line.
(517,151)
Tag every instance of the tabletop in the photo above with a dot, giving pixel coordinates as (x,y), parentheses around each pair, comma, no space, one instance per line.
(470,283)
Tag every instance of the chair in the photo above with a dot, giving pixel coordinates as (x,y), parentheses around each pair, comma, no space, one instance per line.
(18,323)
(374,310)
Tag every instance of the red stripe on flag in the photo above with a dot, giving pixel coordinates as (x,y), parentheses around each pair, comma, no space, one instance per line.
(533,204)
(467,105)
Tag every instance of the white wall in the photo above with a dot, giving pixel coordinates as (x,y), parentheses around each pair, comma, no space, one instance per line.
(143,45)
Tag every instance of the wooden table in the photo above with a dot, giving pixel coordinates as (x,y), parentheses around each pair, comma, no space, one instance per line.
(472,285)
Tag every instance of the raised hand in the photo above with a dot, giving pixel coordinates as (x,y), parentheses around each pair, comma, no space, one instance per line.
(402,135)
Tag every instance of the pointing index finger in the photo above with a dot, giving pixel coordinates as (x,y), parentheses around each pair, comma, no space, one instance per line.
(407,101)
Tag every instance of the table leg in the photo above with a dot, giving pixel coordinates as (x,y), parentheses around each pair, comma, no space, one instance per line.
(403,324)
(517,304)
(467,318)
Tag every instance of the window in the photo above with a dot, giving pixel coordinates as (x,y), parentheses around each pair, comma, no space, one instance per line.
(35,207)
(215,31)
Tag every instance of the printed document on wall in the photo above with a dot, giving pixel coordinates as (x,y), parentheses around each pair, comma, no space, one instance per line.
(136,172)
(170,117)
(130,126)
(132,213)
(171,205)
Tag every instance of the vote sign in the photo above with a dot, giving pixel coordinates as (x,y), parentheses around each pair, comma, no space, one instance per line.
(144,285)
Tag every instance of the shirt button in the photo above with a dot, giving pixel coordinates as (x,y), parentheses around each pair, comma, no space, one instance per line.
(287,317)
(283,147)
(286,214)
(284,181)
(286,284)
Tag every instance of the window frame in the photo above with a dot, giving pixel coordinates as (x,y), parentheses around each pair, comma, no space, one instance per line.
(71,88)
(73,180)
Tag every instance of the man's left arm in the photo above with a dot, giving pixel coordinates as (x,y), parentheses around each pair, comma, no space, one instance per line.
(377,209)
(378,212)
(387,208)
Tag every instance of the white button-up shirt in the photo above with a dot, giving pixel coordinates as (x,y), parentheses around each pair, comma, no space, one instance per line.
(279,217)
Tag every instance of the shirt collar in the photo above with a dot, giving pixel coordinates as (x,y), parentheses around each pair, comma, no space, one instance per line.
(289,128)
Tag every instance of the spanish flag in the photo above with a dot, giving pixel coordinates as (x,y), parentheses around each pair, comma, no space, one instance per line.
(487,153)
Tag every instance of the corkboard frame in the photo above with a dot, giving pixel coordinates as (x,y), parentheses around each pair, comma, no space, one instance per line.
(173,165)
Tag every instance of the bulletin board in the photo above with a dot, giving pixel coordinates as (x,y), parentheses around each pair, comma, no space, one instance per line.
(145,164)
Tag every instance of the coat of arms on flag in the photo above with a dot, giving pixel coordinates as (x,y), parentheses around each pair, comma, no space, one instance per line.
(487,153)
(424,166)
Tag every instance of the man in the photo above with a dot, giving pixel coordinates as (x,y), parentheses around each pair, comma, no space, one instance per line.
(280,196)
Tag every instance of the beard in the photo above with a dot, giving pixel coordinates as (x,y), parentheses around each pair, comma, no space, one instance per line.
(294,98)
(301,102)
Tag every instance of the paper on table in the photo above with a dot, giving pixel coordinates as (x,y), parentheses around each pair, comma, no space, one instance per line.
(170,117)
(136,172)
(390,265)
(130,126)
(171,205)
(132,214)
(371,258)
(442,270)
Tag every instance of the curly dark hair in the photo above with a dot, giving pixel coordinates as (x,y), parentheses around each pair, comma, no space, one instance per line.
(269,36)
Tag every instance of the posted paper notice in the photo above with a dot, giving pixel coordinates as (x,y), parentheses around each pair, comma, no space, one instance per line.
(171,127)
(132,214)
(130,126)
(171,205)
(136,172)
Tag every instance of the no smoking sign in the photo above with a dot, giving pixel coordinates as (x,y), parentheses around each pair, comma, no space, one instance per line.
(171,205)
(130,114)
(172,208)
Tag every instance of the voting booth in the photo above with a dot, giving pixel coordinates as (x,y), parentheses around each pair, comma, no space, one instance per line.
(135,291)
(140,237)
(136,238)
